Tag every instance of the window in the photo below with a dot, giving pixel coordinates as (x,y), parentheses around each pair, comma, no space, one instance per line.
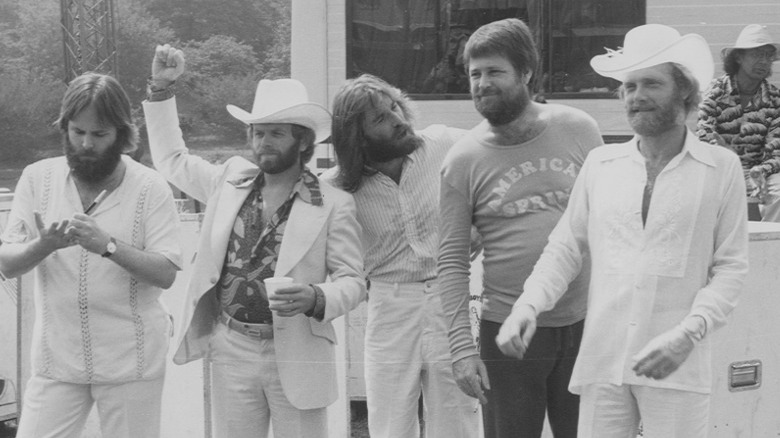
(417,45)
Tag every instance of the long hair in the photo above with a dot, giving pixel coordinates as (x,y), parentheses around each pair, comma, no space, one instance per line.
(509,38)
(350,105)
(730,63)
(111,105)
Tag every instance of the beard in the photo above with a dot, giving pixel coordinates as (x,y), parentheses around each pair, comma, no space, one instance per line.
(273,162)
(653,123)
(92,167)
(382,151)
(499,109)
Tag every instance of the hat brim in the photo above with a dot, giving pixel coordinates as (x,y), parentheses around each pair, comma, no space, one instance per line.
(311,115)
(726,50)
(691,51)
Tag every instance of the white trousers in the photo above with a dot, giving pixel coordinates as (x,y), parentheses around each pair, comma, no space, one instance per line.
(611,411)
(247,393)
(55,409)
(407,353)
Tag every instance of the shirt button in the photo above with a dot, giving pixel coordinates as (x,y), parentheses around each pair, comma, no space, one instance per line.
(632,324)
(213,280)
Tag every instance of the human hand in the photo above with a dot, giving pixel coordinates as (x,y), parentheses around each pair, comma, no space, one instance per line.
(758,182)
(85,232)
(516,332)
(167,65)
(292,300)
(56,235)
(663,354)
(471,377)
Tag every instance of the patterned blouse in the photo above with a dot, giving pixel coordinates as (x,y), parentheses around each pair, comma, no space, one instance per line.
(253,249)
(753,132)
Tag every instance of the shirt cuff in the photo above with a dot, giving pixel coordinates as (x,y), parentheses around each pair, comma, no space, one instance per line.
(155,94)
(318,311)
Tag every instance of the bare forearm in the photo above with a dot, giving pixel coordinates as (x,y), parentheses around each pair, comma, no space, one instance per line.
(19,258)
(150,268)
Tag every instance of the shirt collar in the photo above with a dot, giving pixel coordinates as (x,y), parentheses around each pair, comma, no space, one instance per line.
(692,146)
(307,187)
(730,87)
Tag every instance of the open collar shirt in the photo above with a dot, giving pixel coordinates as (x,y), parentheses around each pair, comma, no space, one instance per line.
(401,220)
(94,322)
(689,259)
(253,249)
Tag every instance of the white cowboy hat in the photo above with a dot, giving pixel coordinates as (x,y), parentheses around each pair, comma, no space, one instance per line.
(752,36)
(285,101)
(654,44)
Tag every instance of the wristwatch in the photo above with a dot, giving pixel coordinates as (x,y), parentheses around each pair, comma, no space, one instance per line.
(110,248)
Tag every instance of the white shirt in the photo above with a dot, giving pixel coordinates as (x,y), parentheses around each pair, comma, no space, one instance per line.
(689,259)
(94,323)
(401,220)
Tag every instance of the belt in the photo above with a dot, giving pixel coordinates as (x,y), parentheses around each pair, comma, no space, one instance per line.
(259,331)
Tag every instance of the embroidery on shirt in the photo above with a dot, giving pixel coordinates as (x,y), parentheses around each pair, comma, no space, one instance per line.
(140,357)
(83,300)
(44,276)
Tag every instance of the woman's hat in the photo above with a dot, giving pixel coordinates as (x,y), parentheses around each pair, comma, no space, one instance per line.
(285,101)
(752,36)
(654,44)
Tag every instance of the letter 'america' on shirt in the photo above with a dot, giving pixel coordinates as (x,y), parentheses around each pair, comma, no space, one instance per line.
(514,195)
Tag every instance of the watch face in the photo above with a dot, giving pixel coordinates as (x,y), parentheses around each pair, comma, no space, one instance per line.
(110,248)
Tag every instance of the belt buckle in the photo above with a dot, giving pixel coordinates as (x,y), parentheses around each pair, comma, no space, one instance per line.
(253,332)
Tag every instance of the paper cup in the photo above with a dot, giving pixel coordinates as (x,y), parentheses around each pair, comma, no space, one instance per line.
(274,283)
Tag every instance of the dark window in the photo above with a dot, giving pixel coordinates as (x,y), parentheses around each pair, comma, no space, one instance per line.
(417,45)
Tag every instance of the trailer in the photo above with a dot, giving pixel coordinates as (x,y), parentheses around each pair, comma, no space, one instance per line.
(416,45)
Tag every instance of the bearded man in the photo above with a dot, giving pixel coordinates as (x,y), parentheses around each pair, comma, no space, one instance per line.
(510,177)
(272,356)
(393,173)
(663,219)
(100,232)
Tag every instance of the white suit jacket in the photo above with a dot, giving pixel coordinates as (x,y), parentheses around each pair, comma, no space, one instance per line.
(319,242)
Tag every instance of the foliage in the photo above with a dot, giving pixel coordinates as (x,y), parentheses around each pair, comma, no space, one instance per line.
(219,55)
(277,61)
(229,45)
(29,104)
(248,21)
(137,34)
(34,42)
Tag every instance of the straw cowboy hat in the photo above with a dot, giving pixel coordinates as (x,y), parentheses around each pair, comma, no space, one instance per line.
(752,36)
(654,44)
(285,101)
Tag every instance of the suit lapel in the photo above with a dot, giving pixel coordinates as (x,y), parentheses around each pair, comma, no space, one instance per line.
(230,201)
(303,226)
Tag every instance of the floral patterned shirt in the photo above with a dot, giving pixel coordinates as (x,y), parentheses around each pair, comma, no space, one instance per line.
(253,249)
(753,132)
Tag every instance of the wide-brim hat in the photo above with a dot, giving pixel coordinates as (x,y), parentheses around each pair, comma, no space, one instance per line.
(653,44)
(752,36)
(285,101)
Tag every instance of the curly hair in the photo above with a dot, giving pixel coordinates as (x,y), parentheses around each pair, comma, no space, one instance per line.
(350,105)
(111,105)
(730,63)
